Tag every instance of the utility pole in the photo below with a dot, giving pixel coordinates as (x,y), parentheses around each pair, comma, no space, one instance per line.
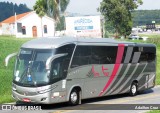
(15,24)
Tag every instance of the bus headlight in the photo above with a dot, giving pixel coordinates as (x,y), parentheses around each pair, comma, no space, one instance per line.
(44,90)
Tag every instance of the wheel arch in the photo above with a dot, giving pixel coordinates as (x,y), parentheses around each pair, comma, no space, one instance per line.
(134,81)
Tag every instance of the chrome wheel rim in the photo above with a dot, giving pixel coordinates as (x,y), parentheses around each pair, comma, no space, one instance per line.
(74,97)
(134,89)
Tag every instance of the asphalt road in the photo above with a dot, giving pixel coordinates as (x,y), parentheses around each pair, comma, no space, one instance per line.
(141,103)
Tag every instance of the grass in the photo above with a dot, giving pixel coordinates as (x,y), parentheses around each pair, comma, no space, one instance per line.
(150,35)
(154,111)
(158,65)
(8,44)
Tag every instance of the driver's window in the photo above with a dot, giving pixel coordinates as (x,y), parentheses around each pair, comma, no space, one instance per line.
(58,68)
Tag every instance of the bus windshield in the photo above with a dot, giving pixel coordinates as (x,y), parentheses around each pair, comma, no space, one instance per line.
(30,67)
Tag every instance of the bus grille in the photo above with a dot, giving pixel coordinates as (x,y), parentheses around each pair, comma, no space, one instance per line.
(27,93)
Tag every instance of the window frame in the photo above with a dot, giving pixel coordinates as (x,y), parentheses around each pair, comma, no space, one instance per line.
(45,29)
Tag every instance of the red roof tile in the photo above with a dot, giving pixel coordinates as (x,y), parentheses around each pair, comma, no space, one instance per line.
(12,18)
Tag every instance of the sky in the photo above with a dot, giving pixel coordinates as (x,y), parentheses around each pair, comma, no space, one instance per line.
(90,6)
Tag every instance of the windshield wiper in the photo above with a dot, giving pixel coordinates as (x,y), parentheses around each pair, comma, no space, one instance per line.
(23,74)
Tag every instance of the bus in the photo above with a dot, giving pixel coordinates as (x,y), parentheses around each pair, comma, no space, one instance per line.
(54,70)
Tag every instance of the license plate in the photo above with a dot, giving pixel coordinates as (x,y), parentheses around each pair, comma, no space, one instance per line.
(26,100)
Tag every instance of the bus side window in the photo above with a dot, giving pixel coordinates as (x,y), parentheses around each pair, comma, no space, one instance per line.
(104,54)
(81,56)
(148,54)
(85,55)
(96,54)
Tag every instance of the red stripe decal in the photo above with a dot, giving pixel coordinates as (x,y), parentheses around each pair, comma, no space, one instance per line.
(116,67)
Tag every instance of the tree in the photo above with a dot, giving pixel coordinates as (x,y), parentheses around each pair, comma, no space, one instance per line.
(118,13)
(61,24)
(8,9)
(53,8)
(143,17)
(40,10)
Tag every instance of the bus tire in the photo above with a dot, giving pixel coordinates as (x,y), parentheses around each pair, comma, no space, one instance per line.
(133,89)
(74,97)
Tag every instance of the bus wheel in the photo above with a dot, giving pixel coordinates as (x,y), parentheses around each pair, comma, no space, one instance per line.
(74,97)
(133,89)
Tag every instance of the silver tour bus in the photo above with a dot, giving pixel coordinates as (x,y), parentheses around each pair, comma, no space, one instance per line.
(54,70)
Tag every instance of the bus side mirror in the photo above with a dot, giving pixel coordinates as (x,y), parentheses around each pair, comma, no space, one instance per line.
(50,59)
(9,57)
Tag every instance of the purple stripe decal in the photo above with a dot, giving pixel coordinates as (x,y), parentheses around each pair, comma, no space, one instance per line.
(116,67)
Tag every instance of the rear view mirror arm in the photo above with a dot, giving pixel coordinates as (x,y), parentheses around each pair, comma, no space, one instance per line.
(9,57)
(50,59)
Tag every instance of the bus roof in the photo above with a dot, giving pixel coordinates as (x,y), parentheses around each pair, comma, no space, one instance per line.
(53,42)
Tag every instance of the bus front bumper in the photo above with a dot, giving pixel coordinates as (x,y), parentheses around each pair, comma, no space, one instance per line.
(39,98)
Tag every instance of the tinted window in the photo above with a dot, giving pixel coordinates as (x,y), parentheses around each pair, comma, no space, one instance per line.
(103,54)
(85,55)
(66,49)
(60,65)
(148,54)
(59,69)
(82,56)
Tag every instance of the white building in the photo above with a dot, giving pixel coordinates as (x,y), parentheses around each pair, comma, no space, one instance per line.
(84,26)
(28,25)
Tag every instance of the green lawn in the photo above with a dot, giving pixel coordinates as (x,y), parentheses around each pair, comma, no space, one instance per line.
(158,65)
(154,111)
(150,35)
(9,45)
